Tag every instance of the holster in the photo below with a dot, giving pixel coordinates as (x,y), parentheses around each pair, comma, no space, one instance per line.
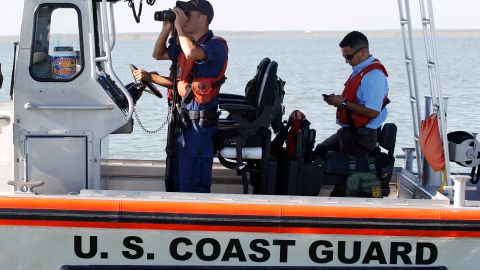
(183,121)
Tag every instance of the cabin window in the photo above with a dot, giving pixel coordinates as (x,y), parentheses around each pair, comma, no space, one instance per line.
(57,45)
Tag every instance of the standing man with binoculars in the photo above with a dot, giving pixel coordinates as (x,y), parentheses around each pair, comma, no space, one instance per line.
(202,62)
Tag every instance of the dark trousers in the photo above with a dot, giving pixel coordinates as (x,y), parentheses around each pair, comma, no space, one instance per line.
(195,159)
(349,141)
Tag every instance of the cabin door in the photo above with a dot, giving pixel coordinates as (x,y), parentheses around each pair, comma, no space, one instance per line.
(60,162)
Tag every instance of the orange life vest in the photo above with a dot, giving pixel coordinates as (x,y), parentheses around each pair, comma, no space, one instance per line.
(348,117)
(204,90)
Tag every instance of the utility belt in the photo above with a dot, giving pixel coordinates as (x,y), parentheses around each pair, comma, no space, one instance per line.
(205,118)
(360,131)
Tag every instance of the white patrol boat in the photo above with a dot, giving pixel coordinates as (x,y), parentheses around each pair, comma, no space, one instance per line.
(63,207)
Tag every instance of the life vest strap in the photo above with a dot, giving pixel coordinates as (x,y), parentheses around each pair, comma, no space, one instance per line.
(188,91)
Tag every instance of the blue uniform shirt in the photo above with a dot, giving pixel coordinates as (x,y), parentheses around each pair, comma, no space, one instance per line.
(373,89)
(209,68)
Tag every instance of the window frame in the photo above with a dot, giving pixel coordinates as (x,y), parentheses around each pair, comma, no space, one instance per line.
(80,36)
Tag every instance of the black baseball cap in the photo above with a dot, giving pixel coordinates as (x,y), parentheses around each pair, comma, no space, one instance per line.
(202,6)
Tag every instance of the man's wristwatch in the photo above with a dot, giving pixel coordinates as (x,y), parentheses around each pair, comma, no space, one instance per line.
(344,104)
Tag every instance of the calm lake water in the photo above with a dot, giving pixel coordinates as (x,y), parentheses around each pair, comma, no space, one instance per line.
(311,64)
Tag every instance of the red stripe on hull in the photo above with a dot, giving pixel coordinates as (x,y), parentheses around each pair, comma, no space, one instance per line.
(248,229)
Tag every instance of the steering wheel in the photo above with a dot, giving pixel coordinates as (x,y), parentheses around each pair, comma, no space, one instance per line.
(152,89)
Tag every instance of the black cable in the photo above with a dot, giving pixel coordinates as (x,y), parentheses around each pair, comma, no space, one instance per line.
(151,2)
(171,162)
(136,15)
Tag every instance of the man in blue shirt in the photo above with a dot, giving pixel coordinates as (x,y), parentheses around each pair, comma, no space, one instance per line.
(361,107)
(202,61)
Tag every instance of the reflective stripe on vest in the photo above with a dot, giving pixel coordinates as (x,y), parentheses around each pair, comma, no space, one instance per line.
(347,117)
(204,90)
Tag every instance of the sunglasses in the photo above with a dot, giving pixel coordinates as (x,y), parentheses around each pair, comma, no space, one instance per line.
(350,56)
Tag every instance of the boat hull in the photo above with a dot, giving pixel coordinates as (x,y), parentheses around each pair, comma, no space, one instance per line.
(78,233)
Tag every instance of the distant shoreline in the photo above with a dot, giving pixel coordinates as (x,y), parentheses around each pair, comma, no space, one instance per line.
(387,33)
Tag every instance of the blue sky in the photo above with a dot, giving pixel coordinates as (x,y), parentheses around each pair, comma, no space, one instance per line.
(308,15)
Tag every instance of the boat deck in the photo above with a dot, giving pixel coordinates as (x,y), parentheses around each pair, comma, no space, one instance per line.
(148,176)
(126,176)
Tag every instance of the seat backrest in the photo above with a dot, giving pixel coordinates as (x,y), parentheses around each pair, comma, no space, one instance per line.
(264,89)
(253,86)
(387,137)
(268,89)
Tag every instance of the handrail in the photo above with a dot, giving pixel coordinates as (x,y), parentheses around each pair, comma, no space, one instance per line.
(29,106)
(435,84)
(91,40)
(112,32)
(101,59)
(410,61)
(108,59)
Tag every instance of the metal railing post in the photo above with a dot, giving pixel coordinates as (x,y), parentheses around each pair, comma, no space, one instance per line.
(428,25)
